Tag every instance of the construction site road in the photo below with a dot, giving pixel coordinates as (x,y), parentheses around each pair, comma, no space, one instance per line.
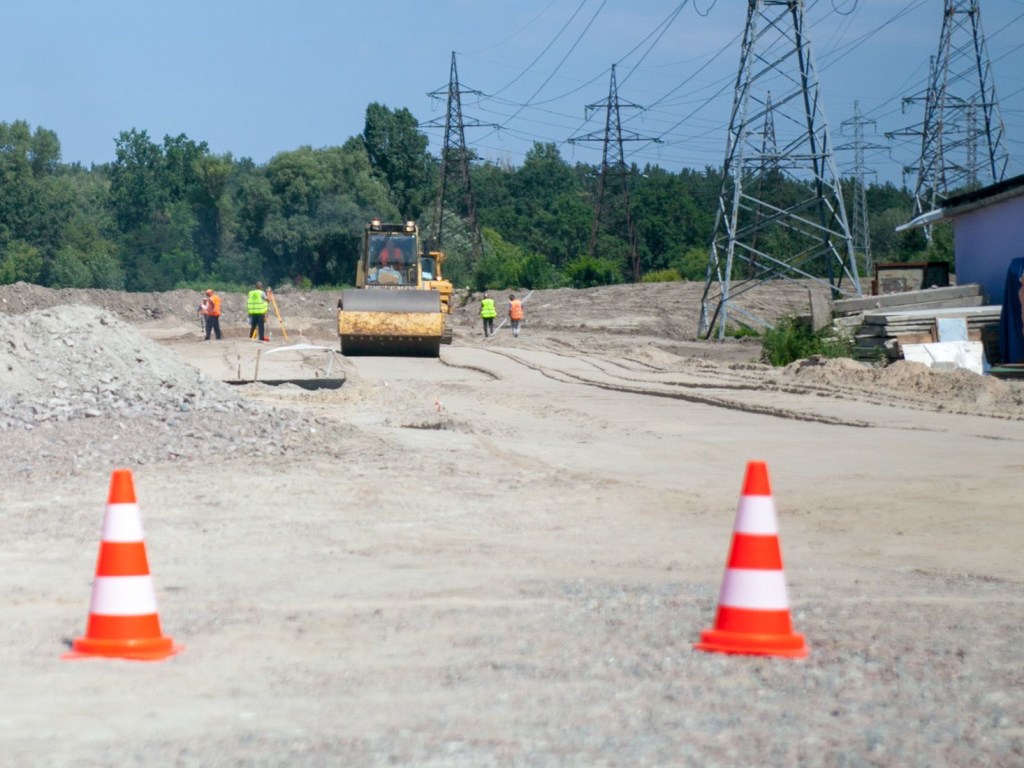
(504,556)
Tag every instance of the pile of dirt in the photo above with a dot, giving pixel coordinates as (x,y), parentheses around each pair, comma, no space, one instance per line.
(79,387)
(18,298)
(959,390)
(171,307)
(70,362)
(666,310)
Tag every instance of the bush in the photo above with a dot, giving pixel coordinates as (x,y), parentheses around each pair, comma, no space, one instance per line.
(740,332)
(505,264)
(587,272)
(791,340)
(670,275)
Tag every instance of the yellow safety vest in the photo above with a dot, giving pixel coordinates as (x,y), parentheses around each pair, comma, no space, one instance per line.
(487,308)
(257,303)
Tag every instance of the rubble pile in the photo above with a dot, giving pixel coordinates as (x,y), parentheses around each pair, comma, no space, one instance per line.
(81,388)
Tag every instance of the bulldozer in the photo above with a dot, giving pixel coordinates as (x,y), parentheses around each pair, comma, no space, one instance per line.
(401,303)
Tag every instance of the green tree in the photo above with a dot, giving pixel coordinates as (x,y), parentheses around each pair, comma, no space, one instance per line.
(20,261)
(213,211)
(397,149)
(553,214)
(587,272)
(136,189)
(312,212)
(505,265)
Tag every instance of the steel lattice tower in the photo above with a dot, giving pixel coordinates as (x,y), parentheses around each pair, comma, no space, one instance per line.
(758,233)
(860,231)
(613,131)
(768,174)
(961,113)
(455,153)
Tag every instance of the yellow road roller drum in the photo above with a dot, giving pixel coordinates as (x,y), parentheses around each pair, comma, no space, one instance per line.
(391,322)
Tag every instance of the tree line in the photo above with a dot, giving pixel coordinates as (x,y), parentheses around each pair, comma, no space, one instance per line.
(171,214)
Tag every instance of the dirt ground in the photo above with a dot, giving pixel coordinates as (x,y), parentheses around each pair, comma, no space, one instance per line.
(502,557)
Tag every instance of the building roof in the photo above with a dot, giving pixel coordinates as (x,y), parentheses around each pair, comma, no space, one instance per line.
(969,201)
(993,193)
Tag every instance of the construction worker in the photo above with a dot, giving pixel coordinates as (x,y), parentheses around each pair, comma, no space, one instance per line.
(257,306)
(211,314)
(390,255)
(515,313)
(488,313)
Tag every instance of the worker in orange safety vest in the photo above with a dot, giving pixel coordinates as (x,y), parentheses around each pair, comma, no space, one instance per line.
(515,313)
(210,309)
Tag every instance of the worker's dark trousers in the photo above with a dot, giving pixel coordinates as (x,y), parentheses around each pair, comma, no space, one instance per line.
(488,326)
(256,323)
(212,326)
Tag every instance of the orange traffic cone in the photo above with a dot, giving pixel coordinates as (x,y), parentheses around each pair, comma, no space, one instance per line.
(123,620)
(753,608)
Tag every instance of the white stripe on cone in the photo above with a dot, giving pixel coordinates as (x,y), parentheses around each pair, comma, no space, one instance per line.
(122,523)
(123,596)
(754,589)
(756,514)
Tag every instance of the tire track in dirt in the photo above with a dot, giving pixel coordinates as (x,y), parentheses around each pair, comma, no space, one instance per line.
(567,377)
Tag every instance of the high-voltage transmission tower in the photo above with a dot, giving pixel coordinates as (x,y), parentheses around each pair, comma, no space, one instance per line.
(613,133)
(961,113)
(795,228)
(768,173)
(860,230)
(455,158)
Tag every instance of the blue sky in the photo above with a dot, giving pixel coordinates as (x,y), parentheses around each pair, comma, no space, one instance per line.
(259,77)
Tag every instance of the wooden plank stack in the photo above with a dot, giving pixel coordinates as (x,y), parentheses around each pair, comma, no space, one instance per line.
(879,325)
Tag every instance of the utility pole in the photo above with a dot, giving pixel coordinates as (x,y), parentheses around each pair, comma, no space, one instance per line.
(758,236)
(860,231)
(455,158)
(961,114)
(613,131)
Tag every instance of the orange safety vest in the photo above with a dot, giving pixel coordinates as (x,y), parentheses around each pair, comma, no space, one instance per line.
(214,306)
(515,310)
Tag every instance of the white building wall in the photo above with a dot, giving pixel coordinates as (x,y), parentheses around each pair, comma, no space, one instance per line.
(985,241)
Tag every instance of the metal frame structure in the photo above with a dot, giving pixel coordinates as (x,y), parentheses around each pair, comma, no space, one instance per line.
(454,151)
(758,238)
(961,112)
(613,126)
(860,228)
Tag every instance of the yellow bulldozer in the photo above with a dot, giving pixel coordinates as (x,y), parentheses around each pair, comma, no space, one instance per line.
(401,302)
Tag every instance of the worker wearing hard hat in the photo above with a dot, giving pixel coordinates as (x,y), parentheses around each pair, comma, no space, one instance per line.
(211,314)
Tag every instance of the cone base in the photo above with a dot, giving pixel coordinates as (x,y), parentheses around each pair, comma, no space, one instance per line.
(145,649)
(720,641)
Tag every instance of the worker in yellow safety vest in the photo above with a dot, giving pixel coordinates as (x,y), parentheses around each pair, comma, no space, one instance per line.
(488,313)
(257,306)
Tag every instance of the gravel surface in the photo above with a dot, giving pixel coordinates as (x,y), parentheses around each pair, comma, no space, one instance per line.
(502,558)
